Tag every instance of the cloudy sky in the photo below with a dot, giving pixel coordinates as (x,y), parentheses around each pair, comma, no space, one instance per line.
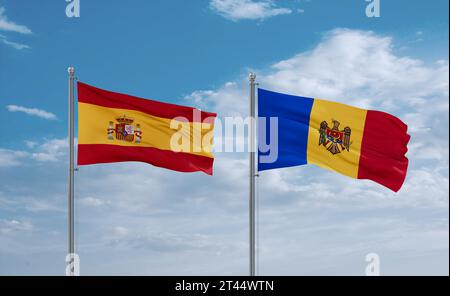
(133,218)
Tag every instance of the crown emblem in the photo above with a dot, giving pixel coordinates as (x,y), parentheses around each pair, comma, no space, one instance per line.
(124,119)
(125,130)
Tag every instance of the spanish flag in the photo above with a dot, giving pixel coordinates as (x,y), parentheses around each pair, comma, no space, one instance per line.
(362,144)
(114,127)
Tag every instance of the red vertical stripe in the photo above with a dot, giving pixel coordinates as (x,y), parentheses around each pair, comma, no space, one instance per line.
(383,150)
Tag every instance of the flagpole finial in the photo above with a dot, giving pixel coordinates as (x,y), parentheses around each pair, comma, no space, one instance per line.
(71,70)
(252,76)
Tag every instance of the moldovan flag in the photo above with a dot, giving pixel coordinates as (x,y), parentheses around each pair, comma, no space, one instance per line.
(362,144)
(114,127)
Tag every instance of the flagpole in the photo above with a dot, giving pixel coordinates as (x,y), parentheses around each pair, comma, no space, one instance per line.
(252,203)
(71,203)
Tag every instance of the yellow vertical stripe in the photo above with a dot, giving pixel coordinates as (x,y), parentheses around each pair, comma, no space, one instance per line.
(344,162)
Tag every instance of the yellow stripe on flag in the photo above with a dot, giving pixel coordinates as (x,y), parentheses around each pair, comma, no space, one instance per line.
(344,162)
(95,120)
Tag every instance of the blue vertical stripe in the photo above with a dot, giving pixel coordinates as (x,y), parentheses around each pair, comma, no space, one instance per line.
(293,115)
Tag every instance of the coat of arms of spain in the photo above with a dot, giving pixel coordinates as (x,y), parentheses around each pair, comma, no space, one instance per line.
(125,130)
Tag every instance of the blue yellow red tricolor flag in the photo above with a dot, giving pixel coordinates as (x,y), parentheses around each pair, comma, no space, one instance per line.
(358,143)
(114,127)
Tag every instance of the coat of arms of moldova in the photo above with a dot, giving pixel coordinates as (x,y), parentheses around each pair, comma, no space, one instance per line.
(333,139)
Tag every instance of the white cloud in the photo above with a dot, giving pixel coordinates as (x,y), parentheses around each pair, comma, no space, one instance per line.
(51,150)
(32,111)
(311,221)
(230,99)
(119,232)
(11,226)
(160,242)
(236,10)
(30,144)
(90,201)
(354,67)
(359,68)
(11,158)
(366,74)
(43,205)
(8,25)
(15,45)
(419,36)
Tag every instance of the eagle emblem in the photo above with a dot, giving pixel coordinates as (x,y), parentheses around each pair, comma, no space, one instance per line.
(333,139)
(125,130)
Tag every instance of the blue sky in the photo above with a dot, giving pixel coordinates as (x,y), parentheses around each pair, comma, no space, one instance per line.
(198,53)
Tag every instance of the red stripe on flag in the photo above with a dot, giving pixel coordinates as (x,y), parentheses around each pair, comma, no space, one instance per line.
(177,161)
(93,95)
(383,150)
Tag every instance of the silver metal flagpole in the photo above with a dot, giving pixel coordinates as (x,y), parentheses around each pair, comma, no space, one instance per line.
(71,203)
(252,149)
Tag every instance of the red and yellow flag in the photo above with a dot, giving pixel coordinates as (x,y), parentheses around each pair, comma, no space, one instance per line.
(114,127)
